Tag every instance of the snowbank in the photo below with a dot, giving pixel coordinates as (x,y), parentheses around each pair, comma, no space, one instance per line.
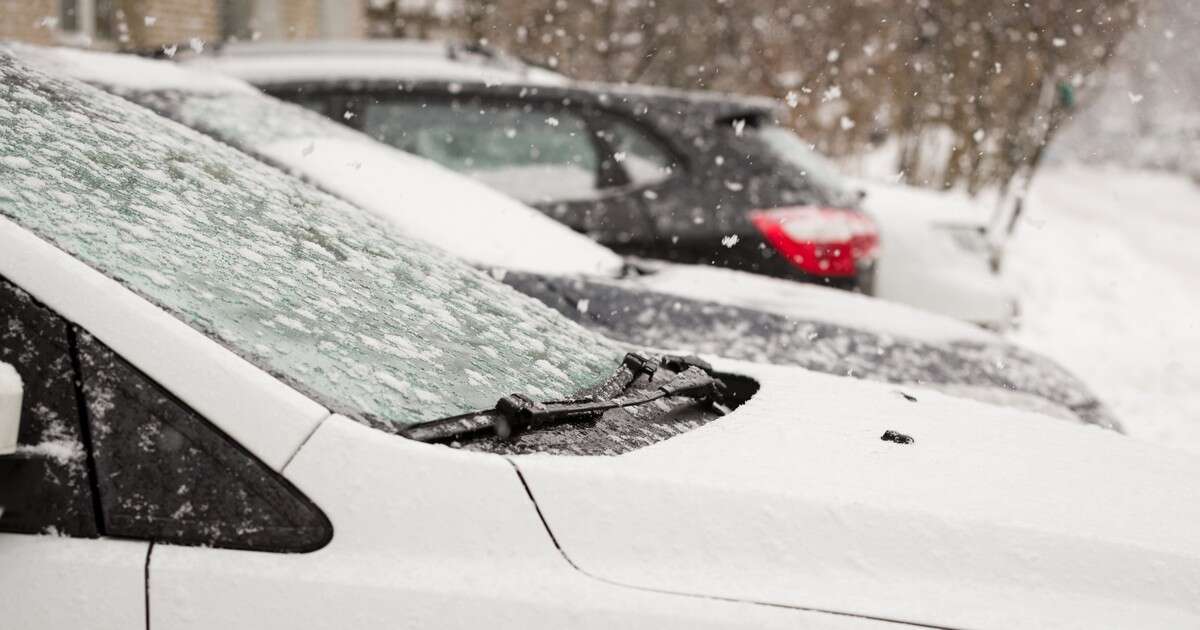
(1108,270)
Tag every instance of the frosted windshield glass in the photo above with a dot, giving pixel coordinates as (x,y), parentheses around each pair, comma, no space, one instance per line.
(372,324)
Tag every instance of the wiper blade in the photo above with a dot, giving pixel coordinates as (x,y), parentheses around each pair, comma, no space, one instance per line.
(516,413)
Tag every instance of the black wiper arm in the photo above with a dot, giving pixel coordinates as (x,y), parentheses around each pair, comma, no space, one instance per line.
(517,412)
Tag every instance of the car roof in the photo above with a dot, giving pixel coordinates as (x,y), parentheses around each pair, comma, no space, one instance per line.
(396,60)
(445,63)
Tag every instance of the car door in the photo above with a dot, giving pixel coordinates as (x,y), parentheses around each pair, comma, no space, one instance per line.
(646,178)
(58,569)
(112,464)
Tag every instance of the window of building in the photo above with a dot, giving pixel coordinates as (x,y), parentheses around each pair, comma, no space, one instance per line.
(89,19)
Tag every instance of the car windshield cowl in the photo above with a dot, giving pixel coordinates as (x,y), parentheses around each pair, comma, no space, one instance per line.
(688,378)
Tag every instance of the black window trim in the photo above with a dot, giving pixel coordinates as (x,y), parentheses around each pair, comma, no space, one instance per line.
(74,330)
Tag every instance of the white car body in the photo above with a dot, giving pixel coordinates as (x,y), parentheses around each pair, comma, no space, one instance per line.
(789,512)
(934,255)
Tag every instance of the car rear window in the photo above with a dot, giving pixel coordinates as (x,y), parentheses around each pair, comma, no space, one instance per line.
(532,153)
(784,144)
(374,325)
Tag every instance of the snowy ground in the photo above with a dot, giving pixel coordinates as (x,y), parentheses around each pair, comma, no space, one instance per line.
(1108,269)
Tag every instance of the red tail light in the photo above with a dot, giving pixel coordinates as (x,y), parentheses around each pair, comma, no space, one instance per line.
(820,241)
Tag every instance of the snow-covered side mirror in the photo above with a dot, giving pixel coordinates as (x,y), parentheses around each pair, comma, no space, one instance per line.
(11,391)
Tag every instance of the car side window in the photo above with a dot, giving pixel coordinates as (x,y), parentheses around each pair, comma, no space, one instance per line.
(533,153)
(317,104)
(643,159)
(166,474)
(45,491)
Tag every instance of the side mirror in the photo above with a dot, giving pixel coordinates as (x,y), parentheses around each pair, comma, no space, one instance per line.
(11,390)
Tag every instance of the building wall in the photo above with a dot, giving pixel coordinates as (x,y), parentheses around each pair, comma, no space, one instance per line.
(301,19)
(344,19)
(155,23)
(28,20)
(151,24)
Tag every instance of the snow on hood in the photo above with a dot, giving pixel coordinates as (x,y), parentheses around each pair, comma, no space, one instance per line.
(128,71)
(436,205)
(989,518)
(804,301)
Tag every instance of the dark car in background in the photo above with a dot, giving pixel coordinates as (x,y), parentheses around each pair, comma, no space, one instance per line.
(688,177)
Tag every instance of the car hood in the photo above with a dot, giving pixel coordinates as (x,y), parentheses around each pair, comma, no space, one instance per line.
(990,518)
(808,302)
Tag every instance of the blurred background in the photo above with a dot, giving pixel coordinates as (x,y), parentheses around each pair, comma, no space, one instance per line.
(956,94)
(1083,115)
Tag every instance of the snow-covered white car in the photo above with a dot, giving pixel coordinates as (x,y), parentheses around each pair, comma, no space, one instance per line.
(219,366)
(652,303)
(937,254)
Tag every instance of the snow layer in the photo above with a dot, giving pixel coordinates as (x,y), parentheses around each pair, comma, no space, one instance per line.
(134,73)
(436,205)
(266,70)
(1109,273)
(805,302)
(794,499)
(10,406)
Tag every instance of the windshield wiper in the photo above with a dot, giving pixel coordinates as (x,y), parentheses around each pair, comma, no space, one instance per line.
(516,413)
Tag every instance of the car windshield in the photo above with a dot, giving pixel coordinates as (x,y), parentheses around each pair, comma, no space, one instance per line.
(785,144)
(335,303)
(419,197)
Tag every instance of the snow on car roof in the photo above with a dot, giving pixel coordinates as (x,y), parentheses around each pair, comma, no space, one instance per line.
(129,71)
(392,60)
(421,198)
(405,60)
